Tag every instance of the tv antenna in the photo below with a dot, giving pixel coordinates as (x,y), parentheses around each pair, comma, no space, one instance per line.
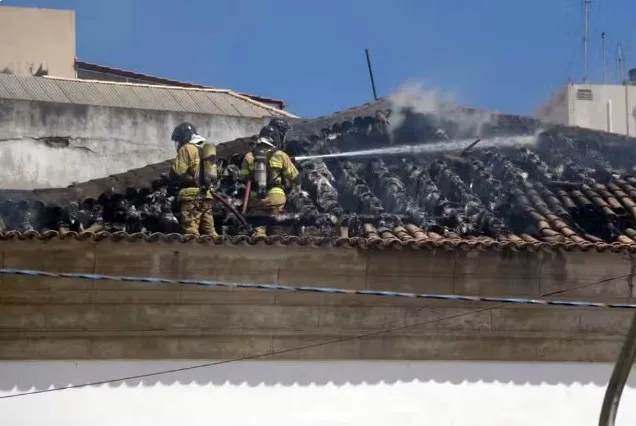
(586,21)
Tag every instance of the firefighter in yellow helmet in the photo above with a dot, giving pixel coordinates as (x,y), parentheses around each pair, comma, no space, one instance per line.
(195,171)
(271,172)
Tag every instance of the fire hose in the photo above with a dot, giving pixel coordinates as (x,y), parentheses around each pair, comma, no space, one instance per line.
(246,199)
(231,208)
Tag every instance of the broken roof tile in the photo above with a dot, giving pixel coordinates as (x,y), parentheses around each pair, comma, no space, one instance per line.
(552,194)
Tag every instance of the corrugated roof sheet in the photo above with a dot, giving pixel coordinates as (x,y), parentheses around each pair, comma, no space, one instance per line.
(86,66)
(138,96)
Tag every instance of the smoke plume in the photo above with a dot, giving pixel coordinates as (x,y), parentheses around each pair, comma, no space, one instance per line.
(440,107)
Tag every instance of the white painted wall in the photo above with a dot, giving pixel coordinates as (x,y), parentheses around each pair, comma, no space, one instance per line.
(103,140)
(607,111)
(311,393)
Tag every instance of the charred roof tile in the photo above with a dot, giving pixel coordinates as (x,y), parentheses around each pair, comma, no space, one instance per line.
(553,195)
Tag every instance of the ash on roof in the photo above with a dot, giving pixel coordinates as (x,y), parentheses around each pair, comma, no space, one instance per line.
(572,186)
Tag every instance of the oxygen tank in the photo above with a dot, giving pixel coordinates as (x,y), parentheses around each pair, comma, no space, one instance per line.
(260,173)
(208,172)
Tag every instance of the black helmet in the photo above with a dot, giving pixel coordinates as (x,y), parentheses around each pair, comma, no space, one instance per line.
(269,136)
(280,124)
(183,133)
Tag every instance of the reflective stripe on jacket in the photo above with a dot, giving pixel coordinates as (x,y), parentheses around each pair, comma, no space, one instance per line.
(279,163)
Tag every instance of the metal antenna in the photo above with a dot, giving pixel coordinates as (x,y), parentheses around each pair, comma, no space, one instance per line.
(586,18)
(604,58)
(375,95)
(619,62)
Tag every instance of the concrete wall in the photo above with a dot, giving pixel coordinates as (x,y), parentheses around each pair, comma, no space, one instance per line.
(607,111)
(103,140)
(31,37)
(49,318)
(364,393)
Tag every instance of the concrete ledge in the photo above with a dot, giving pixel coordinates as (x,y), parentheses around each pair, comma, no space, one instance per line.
(424,346)
(51,318)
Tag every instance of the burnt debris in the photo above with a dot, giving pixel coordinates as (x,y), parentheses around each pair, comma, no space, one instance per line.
(573,185)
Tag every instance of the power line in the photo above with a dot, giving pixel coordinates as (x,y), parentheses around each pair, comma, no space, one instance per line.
(325,290)
(296,349)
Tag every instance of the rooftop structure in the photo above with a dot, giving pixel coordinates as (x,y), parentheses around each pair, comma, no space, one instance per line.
(606,107)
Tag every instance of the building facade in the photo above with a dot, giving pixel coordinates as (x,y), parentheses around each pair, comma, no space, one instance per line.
(605,107)
(37,39)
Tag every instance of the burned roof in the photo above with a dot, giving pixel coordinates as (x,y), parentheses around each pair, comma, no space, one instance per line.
(525,185)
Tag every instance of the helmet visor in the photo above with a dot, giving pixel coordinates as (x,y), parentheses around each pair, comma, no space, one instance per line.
(197,139)
(265,141)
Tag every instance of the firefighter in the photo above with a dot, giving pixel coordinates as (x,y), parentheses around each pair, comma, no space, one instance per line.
(194,170)
(271,172)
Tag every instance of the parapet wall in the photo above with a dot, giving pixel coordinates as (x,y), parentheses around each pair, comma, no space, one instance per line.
(51,318)
(102,140)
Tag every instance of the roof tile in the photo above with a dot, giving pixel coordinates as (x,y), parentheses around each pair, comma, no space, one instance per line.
(372,242)
(551,196)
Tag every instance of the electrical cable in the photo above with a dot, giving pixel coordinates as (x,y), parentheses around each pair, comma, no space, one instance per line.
(295,349)
(326,290)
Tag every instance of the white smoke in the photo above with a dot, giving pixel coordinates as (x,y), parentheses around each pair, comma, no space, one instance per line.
(439,105)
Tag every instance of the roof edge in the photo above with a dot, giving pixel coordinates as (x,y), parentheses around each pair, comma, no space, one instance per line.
(89,66)
(447,244)
(157,86)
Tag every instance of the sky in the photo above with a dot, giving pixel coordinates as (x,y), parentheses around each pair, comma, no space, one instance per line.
(503,55)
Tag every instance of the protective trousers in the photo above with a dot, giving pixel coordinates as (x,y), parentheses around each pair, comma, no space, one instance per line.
(197,218)
(271,205)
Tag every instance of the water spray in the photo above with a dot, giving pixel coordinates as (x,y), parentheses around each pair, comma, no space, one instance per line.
(429,148)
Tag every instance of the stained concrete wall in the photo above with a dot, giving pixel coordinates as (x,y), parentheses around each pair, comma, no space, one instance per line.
(49,318)
(103,140)
(308,393)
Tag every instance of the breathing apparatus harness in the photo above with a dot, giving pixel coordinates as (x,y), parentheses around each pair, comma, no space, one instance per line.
(261,164)
(264,176)
(270,138)
(207,165)
(206,175)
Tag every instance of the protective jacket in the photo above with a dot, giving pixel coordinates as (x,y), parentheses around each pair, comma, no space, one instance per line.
(281,171)
(196,175)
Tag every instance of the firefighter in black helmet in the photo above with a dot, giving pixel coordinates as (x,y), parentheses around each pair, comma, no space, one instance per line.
(270,170)
(195,170)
